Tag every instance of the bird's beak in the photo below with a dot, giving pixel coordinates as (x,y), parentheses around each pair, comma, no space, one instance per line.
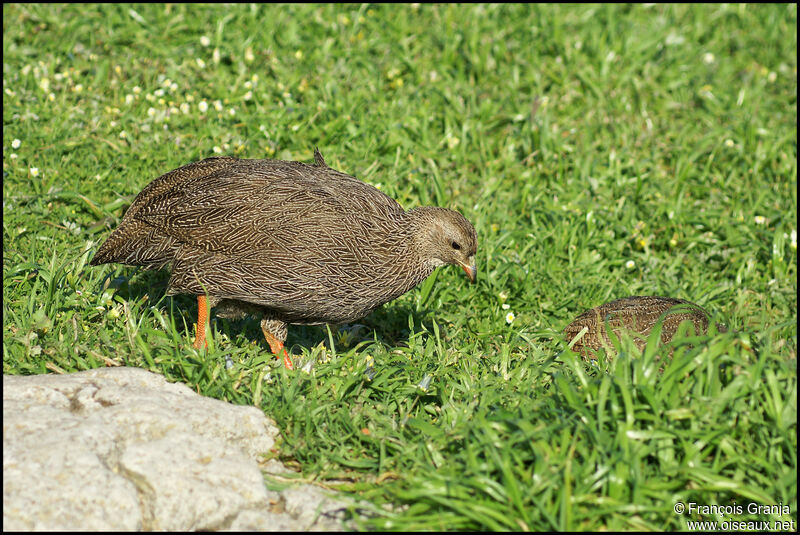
(470,269)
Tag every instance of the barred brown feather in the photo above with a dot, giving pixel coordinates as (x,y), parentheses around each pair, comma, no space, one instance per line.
(298,243)
(636,314)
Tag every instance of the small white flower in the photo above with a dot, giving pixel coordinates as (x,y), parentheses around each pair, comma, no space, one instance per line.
(151,112)
(510,317)
(205,41)
(128,99)
(630,264)
(184,108)
(203,106)
(503,296)
(708,58)
(248,95)
(78,88)
(123,134)
(772,76)
(760,219)
(51,97)
(729,143)
(452,141)
(248,55)
(34,171)
(216,56)
(200,63)
(158,92)
(16,144)
(13,156)
(218,105)
(136,90)
(505,306)
(216,149)
(232,111)
(424,383)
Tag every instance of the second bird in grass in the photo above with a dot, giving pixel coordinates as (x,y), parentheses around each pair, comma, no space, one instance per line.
(297,243)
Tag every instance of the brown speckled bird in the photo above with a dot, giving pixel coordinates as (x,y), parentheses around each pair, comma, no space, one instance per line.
(637,314)
(297,243)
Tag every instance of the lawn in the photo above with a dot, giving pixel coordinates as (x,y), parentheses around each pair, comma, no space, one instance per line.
(600,151)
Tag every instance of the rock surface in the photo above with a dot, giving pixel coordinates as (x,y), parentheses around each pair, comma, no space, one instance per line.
(123,449)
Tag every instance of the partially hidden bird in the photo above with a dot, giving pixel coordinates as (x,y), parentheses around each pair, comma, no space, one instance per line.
(636,315)
(296,243)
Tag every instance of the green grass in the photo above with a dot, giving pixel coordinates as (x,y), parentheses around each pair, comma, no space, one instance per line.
(600,152)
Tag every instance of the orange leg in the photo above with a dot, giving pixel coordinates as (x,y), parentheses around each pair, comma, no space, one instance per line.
(202,318)
(276,346)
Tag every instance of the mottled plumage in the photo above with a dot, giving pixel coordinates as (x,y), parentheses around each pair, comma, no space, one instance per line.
(637,314)
(295,242)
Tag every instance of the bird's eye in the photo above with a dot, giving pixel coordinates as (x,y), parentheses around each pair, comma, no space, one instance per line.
(455,246)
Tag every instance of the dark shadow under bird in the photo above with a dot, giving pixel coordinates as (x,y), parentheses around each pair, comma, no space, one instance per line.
(297,243)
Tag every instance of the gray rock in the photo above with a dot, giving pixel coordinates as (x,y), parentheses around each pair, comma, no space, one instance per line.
(123,449)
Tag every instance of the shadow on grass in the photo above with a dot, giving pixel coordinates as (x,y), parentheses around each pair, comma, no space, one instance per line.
(388,324)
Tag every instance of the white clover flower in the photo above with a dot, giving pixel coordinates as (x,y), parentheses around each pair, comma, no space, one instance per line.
(708,58)
(729,143)
(505,306)
(128,99)
(136,90)
(248,55)
(205,41)
(760,219)
(200,63)
(630,264)
(216,149)
(51,97)
(34,171)
(232,111)
(16,144)
(78,88)
(510,317)
(216,56)
(248,95)
(203,106)
(184,108)
(218,105)
(13,156)
(158,92)
(123,134)
(151,112)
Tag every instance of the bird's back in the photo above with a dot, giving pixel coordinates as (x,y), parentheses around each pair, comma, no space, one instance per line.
(305,241)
